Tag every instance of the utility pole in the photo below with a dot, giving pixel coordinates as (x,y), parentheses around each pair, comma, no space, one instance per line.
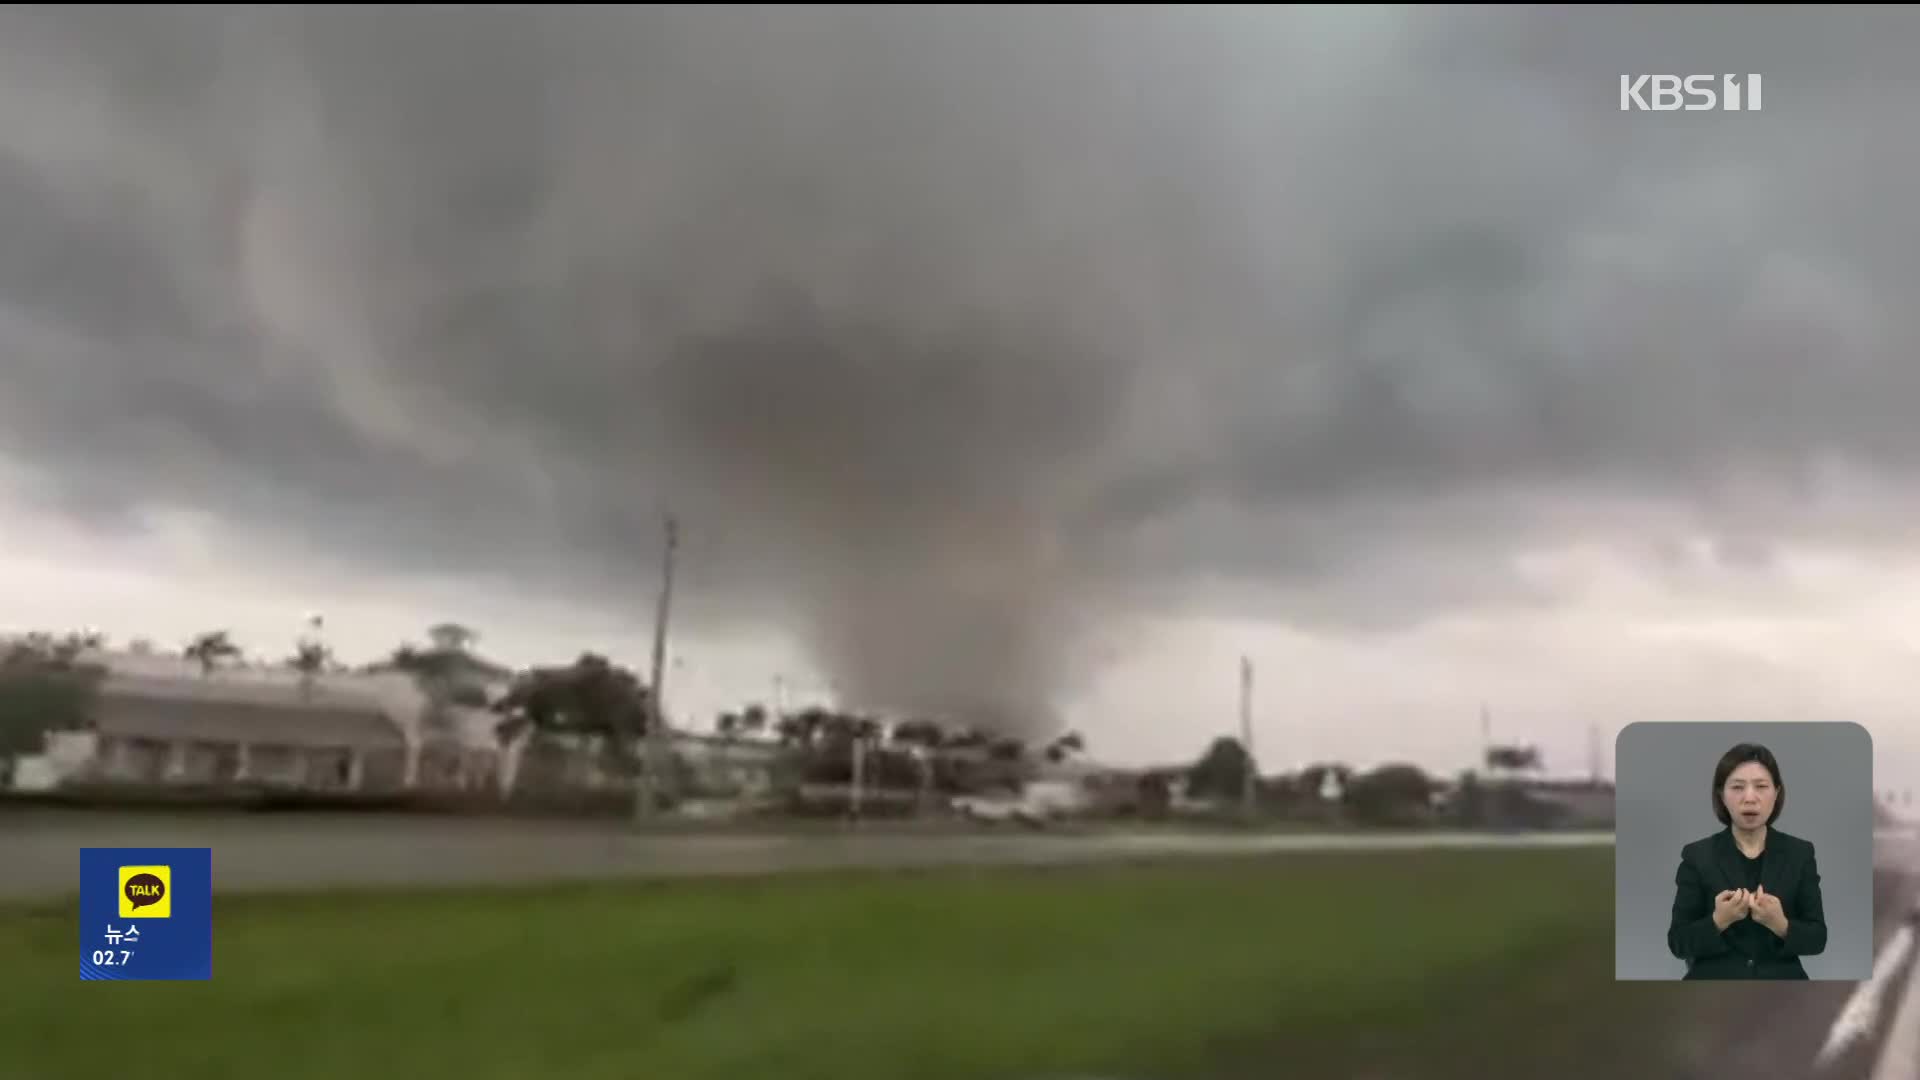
(1250,781)
(1593,753)
(652,769)
(859,772)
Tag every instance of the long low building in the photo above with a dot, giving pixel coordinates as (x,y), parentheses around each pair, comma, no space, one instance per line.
(151,729)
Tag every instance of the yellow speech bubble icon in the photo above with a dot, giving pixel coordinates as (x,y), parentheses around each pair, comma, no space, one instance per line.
(146,892)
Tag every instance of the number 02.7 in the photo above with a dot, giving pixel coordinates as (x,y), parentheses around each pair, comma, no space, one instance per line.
(109,958)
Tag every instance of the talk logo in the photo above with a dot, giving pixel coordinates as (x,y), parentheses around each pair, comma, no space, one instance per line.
(146,892)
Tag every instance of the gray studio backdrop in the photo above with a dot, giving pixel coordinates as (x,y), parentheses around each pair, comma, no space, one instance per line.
(1663,783)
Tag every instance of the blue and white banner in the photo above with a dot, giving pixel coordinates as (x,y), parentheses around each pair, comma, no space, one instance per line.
(146,913)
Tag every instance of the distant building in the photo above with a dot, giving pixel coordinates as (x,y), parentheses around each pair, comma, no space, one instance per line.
(545,764)
(163,719)
(724,767)
(976,770)
(214,732)
(1534,802)
(458,748)
(1579,802)
(456,742)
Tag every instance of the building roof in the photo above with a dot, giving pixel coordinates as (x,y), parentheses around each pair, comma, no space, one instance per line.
(217,710)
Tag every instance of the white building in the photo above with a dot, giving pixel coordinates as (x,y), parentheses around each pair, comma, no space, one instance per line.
(164,719)
(150,729)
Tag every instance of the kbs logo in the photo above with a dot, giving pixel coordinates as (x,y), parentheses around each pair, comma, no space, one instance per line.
(1693,93)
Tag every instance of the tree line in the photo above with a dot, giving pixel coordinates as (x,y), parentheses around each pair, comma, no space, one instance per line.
(45,685)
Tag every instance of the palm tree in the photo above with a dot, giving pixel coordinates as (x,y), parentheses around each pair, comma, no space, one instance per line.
(85,640)
(789,730)
(814,723)
(924,733)
(209,649)
(1065,746)
(310,659)
(922,740)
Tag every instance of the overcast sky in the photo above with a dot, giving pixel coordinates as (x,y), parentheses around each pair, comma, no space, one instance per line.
(1028,365)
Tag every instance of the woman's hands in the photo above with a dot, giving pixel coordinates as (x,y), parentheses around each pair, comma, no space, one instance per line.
(1730,907)
(1733,905)
(1766,911)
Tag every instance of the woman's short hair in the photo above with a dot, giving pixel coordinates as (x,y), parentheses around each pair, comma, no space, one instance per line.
(1737,757)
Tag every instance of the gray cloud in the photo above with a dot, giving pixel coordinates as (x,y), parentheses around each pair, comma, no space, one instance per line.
(950,333)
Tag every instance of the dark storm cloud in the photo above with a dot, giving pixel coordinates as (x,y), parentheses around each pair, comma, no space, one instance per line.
(946,332)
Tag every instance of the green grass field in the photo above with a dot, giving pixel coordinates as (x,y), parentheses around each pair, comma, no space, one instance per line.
(1431,964)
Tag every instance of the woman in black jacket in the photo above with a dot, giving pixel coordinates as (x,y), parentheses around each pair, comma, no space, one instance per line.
(1747,904)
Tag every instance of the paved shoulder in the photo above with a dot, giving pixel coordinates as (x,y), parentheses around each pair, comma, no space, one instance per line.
(278,852)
